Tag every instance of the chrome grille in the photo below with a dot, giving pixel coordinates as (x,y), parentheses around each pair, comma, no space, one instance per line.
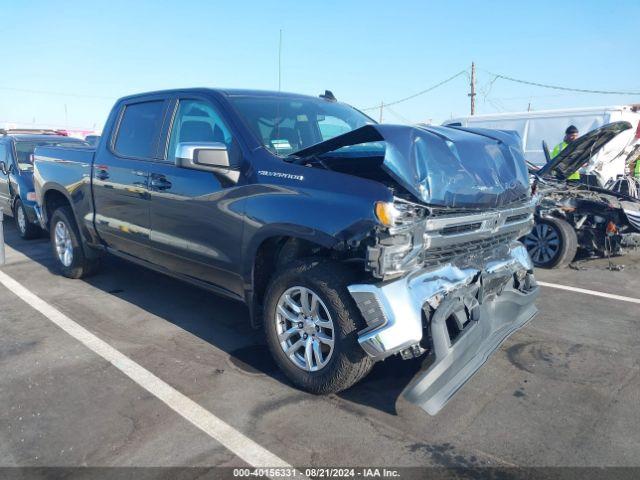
(438,255)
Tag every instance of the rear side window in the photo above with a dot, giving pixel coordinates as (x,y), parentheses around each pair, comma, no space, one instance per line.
(139,129)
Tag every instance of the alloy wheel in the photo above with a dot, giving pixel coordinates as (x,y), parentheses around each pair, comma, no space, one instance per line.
(63,244)
(305,329)
(22,220)
(543,243)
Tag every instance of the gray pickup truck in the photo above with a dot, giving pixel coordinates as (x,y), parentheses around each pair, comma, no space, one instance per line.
(349,241)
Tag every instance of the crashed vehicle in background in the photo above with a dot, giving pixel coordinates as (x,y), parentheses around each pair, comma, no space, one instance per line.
(349,242)
(573,215)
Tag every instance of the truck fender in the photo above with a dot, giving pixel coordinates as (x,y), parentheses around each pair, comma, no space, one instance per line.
(49,187)
(276,231)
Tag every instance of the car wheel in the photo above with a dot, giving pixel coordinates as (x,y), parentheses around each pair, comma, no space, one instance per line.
(67,247)
(551,243)
(311,324)
(26,229)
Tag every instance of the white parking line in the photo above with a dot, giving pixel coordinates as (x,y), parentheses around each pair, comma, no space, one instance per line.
(236,442)
(590,292)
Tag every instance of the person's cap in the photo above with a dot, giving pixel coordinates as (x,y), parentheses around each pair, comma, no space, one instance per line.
(571,129)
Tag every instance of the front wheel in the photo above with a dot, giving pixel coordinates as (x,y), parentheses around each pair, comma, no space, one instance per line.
(311,326)
(551,243)
(67,247)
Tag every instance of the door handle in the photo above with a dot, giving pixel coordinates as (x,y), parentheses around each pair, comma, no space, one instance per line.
(160,182)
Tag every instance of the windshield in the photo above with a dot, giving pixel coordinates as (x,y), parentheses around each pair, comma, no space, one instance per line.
(286,125)
(24,150)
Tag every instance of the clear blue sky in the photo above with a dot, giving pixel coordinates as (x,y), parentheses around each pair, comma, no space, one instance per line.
(364,51)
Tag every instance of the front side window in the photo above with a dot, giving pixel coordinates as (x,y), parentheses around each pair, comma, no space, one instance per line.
(197,121)
(285,125)
(139,129)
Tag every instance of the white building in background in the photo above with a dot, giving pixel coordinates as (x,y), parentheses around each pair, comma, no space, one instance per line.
(549,125)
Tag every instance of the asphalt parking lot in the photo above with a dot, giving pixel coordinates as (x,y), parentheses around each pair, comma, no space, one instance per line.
(563,391)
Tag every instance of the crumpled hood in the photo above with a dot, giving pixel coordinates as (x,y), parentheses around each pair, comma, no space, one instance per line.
(443,166)
(578,152)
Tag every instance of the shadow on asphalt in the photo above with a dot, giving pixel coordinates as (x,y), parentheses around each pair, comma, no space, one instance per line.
(218,321)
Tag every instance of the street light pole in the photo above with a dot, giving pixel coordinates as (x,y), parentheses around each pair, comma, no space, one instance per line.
(473,88)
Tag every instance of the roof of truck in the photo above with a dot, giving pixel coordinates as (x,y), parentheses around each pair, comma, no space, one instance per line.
(229,92)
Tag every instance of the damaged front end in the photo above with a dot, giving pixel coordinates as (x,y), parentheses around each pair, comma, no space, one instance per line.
(451,281)
(469,286)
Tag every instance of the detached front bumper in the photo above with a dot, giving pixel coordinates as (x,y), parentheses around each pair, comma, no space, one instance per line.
(460,314)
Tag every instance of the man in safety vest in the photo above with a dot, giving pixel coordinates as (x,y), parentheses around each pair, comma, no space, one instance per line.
(570,134)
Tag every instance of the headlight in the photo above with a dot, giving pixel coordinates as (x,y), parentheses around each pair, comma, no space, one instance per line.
(397,246)
(387,213)
(399,213)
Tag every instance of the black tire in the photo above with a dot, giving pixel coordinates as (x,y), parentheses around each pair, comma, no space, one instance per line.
(552,243)
(79,266)
(26,229)
(348,363)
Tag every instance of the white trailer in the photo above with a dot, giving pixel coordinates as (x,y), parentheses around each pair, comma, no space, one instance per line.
(549,125)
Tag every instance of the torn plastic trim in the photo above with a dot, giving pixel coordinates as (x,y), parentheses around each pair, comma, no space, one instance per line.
(498,319)
(498,295)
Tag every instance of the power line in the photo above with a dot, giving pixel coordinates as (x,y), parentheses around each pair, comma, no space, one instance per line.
(422,92)
(556,87)
(401,117)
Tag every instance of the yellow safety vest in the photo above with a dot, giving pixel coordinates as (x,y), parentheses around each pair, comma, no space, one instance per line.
(558,148)
(637,169)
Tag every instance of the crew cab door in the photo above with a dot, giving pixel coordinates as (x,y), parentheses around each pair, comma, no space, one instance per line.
(196,215)
(121,174)
(5,193)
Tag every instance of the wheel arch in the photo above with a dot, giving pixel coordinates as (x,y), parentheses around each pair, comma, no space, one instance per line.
(52,199)
(273,251)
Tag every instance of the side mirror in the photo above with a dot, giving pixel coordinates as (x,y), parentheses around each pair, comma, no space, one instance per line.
(3,168)
(202,155)
(207,156)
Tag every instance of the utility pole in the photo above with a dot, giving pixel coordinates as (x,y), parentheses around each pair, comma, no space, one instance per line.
(280,61)
(473,88)
(381,107)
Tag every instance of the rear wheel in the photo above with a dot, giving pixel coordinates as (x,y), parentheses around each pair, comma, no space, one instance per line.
(26,229)
(67,247)
(311,326)
(551,243)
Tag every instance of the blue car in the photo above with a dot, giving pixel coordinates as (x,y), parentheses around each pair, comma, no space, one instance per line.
(17,197)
